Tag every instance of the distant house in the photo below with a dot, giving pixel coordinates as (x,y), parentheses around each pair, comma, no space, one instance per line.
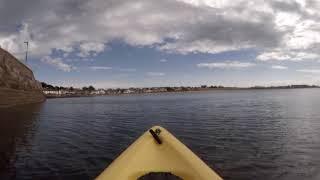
(128,91)
(98,92)
(55,92)
(178,88)
(148,91)
(162,89)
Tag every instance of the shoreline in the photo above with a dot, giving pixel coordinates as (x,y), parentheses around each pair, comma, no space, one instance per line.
(169,92)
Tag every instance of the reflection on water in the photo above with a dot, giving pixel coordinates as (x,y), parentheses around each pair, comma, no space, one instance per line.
(243,134)
(18,126)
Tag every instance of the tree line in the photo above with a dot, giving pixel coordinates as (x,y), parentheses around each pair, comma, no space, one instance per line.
(50,87)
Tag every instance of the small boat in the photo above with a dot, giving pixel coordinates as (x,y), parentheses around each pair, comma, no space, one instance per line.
(158,155)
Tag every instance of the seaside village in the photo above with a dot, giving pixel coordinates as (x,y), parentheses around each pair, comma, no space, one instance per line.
(57,91)
(50,90)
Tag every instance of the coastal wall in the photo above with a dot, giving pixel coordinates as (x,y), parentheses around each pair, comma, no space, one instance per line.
(17,82)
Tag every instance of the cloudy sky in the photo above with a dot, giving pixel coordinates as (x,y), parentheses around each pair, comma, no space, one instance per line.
(124,43)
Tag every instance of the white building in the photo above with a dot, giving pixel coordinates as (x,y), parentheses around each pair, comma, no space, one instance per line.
(54,92)
(98,92)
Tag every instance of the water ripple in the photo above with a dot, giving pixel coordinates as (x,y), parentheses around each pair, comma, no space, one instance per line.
(241,134)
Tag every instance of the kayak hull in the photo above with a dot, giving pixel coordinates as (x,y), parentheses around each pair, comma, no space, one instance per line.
(146,155)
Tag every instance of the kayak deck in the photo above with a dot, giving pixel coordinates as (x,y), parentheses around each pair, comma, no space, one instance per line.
(147,155)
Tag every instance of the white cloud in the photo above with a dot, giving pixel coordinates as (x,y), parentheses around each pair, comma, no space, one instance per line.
(58,63)
(291,56)
(86,49)
(301,36)
(163,60)
(273,56)
(95,68)
(201,46)
(285,20)
(279,30)
(100,68)
(305,35)
(156,74)
(79,60)
(311,71)
(226,65)
(87,25)
(279,67)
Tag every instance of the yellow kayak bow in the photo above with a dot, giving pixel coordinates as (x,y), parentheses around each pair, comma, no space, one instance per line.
(158,152)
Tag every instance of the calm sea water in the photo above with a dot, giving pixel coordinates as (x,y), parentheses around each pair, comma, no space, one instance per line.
(242,134)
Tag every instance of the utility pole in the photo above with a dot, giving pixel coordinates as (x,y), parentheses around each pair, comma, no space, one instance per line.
(27,43)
